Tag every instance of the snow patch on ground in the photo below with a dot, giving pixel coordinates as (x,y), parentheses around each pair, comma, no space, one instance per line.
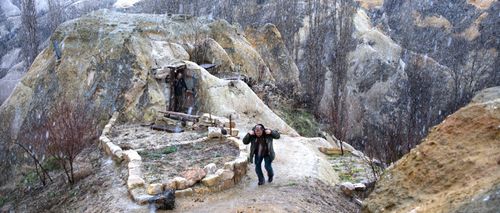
(125,3)
(9,9)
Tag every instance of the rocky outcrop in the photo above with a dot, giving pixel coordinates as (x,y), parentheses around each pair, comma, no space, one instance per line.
(423,33)
(390,92)
(268,42)
(457,163)
(109,62)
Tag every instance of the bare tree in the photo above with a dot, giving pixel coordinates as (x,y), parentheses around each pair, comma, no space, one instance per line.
(55,14)
(71,129)
(29,31)
(343,29)
(35,145)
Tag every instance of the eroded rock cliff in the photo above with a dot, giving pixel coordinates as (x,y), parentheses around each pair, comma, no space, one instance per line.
(108,59)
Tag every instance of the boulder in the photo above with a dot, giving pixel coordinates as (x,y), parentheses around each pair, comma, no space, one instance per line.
(201,189)
(103,140)
(226,180)
(134,168)
(154,189)
(193,175)
(229,165)
(210,169)
(347,188)
(131,156)
(139,196)
(165,200)
(181,183)
(240,168)
(184,193)
(359,187)
(170,184)
(135,182)
(210,180)
(114,150)
(214,132)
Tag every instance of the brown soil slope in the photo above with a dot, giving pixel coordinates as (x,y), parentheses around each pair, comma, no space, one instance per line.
(459,160)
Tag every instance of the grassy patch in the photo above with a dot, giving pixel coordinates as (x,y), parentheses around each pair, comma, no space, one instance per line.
(150,154)
(3,201)
(157,154)
(301,120)
(345,177)
(51,164)
(30,179)
(169,149)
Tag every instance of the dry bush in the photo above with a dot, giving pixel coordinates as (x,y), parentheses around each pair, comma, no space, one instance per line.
(71,128)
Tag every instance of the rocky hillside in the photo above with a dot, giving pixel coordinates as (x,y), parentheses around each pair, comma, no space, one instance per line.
(110,60)
(455,169)
(378,73)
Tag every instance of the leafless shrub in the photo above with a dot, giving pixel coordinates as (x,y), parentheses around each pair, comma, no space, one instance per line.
(71,128)
(35,145)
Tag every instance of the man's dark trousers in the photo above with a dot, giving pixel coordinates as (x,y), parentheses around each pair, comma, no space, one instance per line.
(267,165)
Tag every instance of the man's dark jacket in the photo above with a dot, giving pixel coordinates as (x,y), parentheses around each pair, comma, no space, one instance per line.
(252,139)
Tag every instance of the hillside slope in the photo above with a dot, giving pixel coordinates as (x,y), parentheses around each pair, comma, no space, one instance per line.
(454,166)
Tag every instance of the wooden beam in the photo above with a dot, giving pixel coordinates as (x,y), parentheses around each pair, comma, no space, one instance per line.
(179,113)
(180,116)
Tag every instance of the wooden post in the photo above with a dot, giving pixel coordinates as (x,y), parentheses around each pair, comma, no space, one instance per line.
(230,126)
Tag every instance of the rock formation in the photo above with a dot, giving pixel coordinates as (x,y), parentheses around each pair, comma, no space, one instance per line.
(453,167)
(109,62)
(400,80)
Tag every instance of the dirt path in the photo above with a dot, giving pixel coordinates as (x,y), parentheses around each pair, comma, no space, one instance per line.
(303,182)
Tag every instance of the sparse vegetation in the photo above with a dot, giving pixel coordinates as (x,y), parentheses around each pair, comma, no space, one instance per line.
(150,154)
(158,154)
(345,177)
(3,200)
(301,120)
(30,179)
(169,149)
(352,168)
(51,164)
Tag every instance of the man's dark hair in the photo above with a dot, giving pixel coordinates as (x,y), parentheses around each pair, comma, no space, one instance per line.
(261,126)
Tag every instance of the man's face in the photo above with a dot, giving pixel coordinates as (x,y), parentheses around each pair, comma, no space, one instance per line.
(258,131)
(179,76)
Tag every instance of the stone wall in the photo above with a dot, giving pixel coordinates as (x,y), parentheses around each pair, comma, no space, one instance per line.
(193,181)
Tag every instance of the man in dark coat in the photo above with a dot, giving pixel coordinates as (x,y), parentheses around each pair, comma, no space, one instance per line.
(261,140)
(179,89)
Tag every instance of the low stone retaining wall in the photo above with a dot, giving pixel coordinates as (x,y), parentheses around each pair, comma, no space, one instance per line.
(194,181)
